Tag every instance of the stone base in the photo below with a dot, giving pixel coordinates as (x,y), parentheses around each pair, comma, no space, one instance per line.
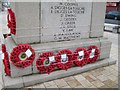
(24,81)
(103,44)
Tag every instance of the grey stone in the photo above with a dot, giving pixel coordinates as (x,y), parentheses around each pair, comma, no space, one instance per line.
(98,17)
(105,48)
(12,82)
(17,72)
(56,28)
(96,31)
(27,22)
(34,68)
(99,64)
(112,61)
(10,44)
(12,5)
(72,45)
(26,39)
(40,20)
(27,36)
(102,44)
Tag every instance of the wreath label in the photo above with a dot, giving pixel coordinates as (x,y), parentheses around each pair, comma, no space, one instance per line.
(52,58)
(92,54)
(64,58)
(2,56)
(28,53)
(81,55)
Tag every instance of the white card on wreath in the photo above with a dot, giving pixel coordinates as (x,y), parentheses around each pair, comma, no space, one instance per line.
(52,58)
(28,53)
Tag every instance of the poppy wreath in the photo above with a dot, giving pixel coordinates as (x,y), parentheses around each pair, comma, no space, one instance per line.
(11,21)
(67,63)
(44,65)
(81,60)
(94,57)
(3,48)
(6,64)
(19,56)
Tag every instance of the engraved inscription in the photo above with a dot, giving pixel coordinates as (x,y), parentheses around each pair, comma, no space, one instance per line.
(68,18)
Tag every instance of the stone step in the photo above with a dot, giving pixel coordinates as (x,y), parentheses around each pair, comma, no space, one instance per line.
(102,43)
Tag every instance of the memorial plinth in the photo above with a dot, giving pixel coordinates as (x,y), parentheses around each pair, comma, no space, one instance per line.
(54,40)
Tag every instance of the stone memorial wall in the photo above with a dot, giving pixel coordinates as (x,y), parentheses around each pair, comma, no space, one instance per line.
(58,21)
(66,21)
(50,40)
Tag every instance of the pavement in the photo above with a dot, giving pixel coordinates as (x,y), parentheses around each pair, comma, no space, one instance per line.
(104,77)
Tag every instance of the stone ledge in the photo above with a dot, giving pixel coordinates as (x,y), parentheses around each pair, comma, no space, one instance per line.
(39,78)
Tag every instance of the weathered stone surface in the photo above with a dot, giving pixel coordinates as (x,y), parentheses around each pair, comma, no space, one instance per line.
(103,44)
(98,17)
(12,82)
(57,46)
(72,20)
(34,68)
(27,22)
(105,48)
(17,72)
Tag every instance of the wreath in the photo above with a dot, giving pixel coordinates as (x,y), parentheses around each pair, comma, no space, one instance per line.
(64,59)
(46,62)
(6,64)
(22,56)
(93,54)
(3,48)
(81,57)
(11,21)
